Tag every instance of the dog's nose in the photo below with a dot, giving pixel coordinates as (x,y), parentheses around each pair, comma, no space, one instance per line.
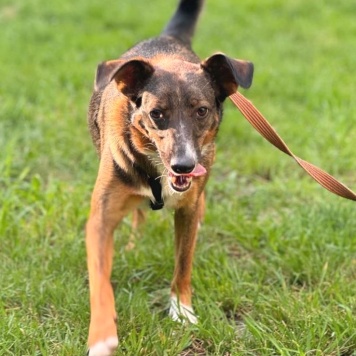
(183,166)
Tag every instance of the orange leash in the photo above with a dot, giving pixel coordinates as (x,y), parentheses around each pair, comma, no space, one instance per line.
(260,123)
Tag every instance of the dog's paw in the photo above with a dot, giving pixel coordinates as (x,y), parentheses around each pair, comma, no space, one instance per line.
(182,313)
(104,348)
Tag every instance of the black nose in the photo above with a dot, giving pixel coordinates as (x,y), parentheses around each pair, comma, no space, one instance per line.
(183,167)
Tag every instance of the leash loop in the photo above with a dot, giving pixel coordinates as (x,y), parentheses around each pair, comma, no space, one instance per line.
(260,123)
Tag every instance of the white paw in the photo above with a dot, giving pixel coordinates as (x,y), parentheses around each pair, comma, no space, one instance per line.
(181,312)
(104,348)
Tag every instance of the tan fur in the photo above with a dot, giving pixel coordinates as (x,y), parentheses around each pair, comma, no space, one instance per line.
(112,200)
(153,118)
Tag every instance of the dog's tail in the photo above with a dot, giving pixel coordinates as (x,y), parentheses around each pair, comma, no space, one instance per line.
(182,24)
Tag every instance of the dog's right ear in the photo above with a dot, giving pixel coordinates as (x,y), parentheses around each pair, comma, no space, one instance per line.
(130,76)
(104,73)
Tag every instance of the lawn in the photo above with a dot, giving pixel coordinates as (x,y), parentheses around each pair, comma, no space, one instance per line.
(275,265)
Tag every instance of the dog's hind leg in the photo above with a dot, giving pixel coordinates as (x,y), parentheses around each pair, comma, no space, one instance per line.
(138,218)
(201,207)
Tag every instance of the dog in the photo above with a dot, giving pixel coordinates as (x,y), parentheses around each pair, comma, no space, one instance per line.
(153,117)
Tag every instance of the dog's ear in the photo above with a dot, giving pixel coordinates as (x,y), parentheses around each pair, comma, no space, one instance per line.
(130,76)
(227,74)
(104,73)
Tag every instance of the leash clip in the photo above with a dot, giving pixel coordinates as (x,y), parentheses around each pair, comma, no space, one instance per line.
(156,188)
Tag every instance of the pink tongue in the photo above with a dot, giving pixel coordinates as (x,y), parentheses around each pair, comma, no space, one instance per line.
(199,170)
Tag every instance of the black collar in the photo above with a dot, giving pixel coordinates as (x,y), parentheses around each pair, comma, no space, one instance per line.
(156,187)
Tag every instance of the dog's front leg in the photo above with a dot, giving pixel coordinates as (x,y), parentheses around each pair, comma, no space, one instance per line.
(186,222)
(110,203)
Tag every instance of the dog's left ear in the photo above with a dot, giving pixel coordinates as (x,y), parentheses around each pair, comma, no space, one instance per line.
(228,74)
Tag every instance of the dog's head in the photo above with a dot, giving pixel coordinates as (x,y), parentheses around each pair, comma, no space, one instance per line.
(175,108)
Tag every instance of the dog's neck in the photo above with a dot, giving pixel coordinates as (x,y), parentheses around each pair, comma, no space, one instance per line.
(156,187)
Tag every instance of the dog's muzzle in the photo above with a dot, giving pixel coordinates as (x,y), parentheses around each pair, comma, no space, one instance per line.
(182,182)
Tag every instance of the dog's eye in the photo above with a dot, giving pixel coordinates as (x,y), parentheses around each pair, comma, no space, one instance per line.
(156,114)
(202,112)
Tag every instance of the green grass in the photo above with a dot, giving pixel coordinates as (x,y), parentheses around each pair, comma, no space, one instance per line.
(275,264)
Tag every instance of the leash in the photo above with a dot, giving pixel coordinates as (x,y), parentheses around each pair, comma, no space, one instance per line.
(260,123)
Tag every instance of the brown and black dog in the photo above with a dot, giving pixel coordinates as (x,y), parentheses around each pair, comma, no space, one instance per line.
(153,117)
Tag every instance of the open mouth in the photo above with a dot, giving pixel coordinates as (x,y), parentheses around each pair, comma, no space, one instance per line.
(182,182)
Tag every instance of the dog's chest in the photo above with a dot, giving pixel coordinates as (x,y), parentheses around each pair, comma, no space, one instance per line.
(169,197)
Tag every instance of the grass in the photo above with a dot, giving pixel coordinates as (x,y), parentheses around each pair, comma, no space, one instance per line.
(275,265)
